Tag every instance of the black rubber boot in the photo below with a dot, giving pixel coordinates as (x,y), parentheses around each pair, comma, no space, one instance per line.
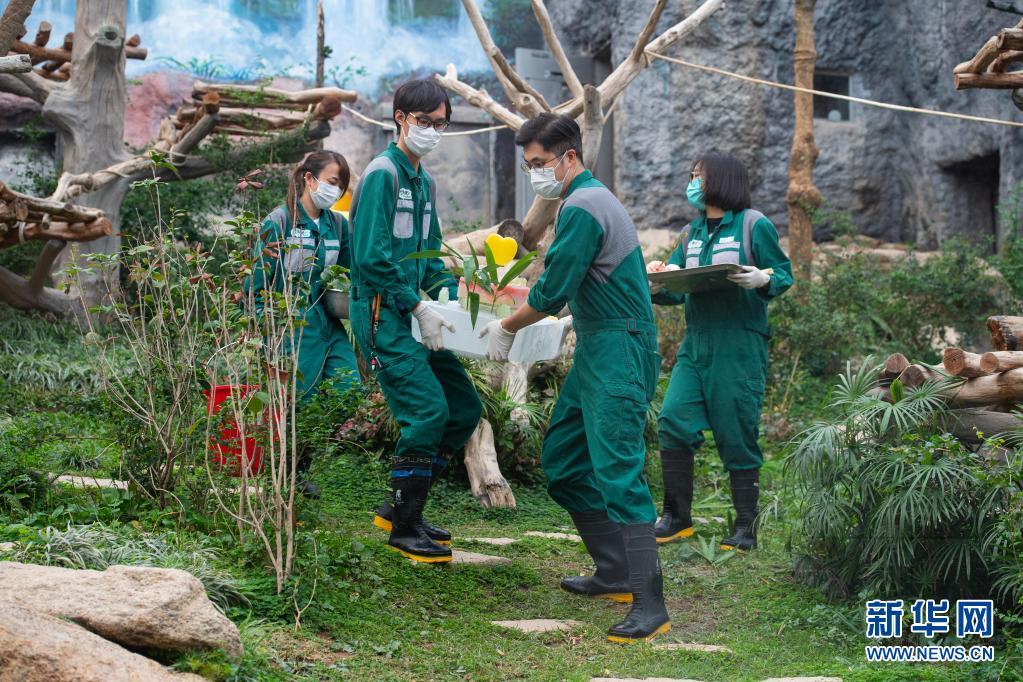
(303,483)
(408,535)
(676,520)
(384,516)
(648,617)
(745,498)
(603,540)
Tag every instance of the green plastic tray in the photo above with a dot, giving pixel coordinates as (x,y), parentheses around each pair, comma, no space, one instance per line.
(691,280)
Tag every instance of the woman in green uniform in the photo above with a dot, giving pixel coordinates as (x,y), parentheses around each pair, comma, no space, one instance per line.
(394,211)
(297,241)
(721,367)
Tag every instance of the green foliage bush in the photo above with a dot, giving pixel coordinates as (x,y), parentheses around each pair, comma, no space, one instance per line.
(892,505)
(856,306)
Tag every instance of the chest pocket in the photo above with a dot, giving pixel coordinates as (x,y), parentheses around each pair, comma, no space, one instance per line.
(301,254)
(403,217)
(332,248)
(693,249)
(727,252)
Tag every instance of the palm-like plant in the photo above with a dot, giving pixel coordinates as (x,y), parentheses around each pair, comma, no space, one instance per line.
(892,504)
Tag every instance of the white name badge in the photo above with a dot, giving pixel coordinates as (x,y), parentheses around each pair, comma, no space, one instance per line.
(404,193)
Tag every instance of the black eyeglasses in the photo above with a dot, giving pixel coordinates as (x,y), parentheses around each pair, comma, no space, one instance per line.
(540,165)
(424,123)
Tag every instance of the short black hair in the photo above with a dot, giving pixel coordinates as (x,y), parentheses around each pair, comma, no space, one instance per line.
(421,95)
(555,132)
(725,181)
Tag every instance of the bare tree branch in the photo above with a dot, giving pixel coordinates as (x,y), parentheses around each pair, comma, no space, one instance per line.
(648,30)
(15,63)
(557,51)
(479,98)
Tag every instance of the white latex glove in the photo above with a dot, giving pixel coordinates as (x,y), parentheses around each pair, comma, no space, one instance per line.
(430,325)
(654,266)
(752,278)
(499,340)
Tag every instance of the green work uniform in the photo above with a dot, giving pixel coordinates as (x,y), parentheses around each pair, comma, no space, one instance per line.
(719,378)
(429,392)
(301,251)
(594,451)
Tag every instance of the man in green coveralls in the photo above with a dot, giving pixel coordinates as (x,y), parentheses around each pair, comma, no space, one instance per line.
(593,453)
(394,212)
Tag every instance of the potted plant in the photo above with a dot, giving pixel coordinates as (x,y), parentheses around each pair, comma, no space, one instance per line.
(482,282)
(337,286)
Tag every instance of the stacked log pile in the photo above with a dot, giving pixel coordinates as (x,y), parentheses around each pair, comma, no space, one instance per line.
(984,389)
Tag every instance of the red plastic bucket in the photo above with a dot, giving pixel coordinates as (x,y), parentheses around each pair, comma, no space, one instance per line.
(228,447)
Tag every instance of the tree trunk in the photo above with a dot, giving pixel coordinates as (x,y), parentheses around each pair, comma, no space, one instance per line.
(1006,332)
(89,116)
(12,22)
(320,44)
(894,365)
(1006,387)
(803,195)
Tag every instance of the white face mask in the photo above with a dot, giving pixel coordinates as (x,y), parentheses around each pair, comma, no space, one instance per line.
(544,183)
(421,141)
(325,195)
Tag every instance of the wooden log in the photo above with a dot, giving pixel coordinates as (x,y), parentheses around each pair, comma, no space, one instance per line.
(12,22)
(1010,39)
(67,232)
(15,63)
(1004,59)
(965,423)
(915,376)
(49,54)
(991,81)
(1001,361)
(1006,332)
(43,34)
(543,18)
(1006,387)
(478,98)
(961,363)
(489,486)
(980,61)
(247,118)
(894,365)
(62,210)
(328,108)
(269,98)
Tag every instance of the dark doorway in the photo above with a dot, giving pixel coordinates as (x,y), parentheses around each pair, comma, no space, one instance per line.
(972,206)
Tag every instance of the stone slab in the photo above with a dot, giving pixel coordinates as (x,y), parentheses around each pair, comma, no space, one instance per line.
(693,646)
(536,624)
(552,536)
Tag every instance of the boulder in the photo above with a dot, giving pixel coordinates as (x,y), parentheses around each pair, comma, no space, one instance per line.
(158,608)
(35,647)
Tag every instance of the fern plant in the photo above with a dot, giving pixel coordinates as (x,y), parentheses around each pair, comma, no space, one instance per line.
(894,505)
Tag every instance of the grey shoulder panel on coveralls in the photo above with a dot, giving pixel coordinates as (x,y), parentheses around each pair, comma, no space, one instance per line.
(620,237)
(279,217)
(379,163)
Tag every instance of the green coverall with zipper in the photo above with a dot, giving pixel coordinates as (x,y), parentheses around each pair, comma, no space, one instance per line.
(300,253)
(718,382)
(594,450)
(429,392)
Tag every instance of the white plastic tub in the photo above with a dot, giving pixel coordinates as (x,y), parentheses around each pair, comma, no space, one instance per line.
(535,343)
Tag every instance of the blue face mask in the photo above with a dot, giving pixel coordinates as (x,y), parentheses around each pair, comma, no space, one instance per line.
(694,193)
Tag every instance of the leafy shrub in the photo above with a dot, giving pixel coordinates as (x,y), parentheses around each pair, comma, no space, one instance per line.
(893,505)
(856,306)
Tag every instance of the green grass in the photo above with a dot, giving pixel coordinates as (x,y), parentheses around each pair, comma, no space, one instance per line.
(394,620)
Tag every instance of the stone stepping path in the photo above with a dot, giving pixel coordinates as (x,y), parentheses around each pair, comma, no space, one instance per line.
(803,679)
(91,482)
(552,536)
(536,624)
(641,679)
(474,559)
(497,542)
(693,646)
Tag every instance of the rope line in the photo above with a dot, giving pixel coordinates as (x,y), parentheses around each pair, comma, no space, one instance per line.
(819,93)
(389,127)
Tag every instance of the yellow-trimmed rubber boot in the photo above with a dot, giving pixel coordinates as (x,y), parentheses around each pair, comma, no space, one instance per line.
(603,540)
(408,536)
(676,521)
(746,499)
(384,520)
(648,616)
